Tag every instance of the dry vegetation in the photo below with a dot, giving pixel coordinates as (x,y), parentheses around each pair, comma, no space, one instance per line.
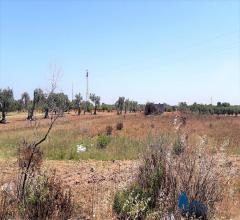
(95,181)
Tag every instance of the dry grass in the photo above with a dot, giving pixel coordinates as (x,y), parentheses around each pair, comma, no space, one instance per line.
(95,182)
(72,130)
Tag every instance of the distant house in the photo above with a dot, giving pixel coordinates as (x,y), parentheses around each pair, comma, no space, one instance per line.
(153,109)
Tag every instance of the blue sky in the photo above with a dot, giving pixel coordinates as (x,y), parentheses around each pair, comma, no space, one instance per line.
(161,51)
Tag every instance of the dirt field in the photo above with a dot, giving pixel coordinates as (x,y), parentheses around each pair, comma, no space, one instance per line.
(94,182)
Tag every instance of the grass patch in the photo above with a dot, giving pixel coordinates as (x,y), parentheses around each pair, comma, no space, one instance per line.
(237,150)
(126,143)
(120,148)
(60,147)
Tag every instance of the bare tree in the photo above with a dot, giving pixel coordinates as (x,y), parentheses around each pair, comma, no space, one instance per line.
(56,74)
(29,160)
(49,105)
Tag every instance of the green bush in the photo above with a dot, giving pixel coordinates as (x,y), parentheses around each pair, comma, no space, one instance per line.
(103,140)
(119,200)
(162,175)
(178,146)
(151,176)
(46,198)
(132,203)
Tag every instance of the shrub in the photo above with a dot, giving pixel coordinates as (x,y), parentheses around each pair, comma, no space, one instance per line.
(109,130)
(7,206)
(119,126)
(178,146)
(47,198)
(103,141)
(119,200)
(38,195)
(163,177)
(131,204)
(155,177)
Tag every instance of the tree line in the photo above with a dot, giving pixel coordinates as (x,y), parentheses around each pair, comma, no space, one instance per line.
(222,108)
(46,102)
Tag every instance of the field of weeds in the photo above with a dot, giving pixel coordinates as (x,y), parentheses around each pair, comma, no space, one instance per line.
(97,174)
(126,143)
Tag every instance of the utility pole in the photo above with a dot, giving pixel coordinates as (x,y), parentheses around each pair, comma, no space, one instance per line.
(87,95)
(72,91)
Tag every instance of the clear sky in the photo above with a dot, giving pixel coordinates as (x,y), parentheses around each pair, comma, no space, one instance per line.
(161,51)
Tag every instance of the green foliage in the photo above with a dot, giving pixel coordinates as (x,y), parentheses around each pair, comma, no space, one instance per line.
(96,100)
(143,196)
(88,106)
(103,140)
(25,101)
(131,106)
(151,175)
(220,109)
(77,103)
(182,106)
(178,146)
(46,198)
(57,102)
(6,100)
(132,203)
(62,145)
(106,107)
(120,104)
(126,105)
(37,102)
(168,108)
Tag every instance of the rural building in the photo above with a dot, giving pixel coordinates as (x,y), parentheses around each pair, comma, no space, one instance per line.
(154,109)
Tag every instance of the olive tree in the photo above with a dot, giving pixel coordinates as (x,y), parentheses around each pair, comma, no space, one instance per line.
(88,106)
(38,96)
(77,102)
(96,100)
(126,105)
(119,105)
(133,106)
(58,103)
(6,99)
(25,101)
